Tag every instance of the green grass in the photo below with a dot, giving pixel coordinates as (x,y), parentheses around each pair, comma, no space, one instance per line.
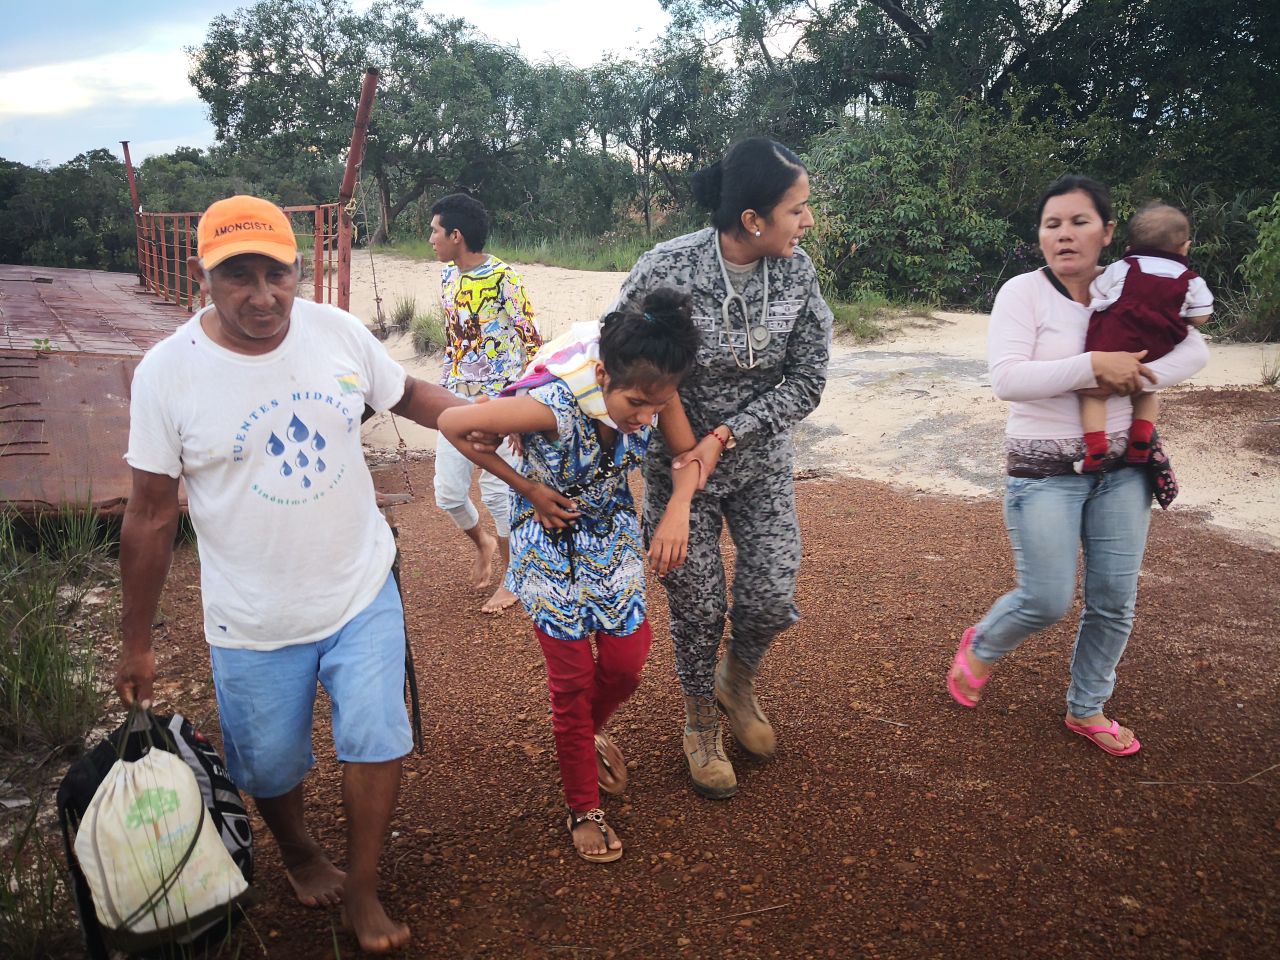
(611,252)
(863,316)
(48,694)
(428,331)
(36,917)
(404,311)
(1270,370)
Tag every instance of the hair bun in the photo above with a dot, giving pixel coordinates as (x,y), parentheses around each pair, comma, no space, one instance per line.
(706,185)
(666,308)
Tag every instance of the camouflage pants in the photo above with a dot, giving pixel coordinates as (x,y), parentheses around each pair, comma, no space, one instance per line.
(762,521)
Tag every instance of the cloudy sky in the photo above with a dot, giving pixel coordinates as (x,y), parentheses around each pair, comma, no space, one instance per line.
(80,74)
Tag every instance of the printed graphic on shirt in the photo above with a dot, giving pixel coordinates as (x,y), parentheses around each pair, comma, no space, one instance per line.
(285,444)
(489,322)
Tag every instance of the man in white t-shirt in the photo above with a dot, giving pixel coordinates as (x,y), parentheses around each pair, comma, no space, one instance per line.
(255,403)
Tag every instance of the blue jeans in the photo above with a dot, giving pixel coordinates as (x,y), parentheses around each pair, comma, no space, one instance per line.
(1048,521)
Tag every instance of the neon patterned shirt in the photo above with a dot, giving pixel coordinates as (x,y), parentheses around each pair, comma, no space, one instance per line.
(591,576)
(489,324)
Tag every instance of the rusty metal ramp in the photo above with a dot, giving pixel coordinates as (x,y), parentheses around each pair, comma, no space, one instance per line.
(69,342)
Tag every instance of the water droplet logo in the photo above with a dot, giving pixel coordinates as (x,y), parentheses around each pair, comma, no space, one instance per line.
(296,463)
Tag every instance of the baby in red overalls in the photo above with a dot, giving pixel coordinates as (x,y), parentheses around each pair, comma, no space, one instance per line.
(1142,302)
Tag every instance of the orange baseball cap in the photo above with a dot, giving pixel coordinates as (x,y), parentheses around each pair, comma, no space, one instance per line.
(244,224)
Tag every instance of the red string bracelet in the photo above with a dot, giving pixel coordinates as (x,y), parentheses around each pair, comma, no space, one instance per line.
(724,444)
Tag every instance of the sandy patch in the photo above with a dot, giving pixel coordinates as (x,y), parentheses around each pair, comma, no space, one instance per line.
(916,408)
(559,296)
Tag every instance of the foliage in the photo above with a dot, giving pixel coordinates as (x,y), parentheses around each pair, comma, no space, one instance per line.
(405,309)
(428,331)
(1222,231)
(1261,270)
(73,215)
(1271,371)
(36,918)
(861,318)
(47,690)
(935,203)
(931,126)
(614,250)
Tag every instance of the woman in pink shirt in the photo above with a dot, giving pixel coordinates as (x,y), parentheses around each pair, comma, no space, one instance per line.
(1037,362)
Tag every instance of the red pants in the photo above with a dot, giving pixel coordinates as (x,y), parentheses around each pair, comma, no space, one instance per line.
(585,690)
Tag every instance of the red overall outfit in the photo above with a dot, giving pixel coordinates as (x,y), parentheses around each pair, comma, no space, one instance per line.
(1148,315)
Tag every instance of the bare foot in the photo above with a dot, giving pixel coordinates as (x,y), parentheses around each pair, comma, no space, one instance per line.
(482,565)
(501,599)
(316,882)
(364,916)
(978,669)
(588,839)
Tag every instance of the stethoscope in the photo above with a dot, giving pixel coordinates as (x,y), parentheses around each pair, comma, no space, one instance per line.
(757,334)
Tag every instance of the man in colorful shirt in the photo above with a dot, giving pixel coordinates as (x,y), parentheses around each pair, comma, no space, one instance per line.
(491,335)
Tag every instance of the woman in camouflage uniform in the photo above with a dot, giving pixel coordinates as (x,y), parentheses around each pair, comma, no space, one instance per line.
(765,339)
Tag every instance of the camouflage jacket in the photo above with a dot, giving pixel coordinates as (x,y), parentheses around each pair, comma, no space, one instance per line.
(762,404)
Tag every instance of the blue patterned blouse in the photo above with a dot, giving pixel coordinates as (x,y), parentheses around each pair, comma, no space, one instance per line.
(591,577)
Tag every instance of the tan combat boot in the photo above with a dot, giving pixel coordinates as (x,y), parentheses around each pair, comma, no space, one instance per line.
(735,690)
(704,748)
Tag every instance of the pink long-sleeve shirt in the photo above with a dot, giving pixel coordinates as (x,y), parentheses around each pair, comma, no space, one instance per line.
(1035,356)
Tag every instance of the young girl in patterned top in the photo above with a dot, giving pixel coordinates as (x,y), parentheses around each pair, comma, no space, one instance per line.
(585,413)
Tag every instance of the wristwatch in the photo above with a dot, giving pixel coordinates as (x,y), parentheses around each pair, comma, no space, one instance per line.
(732,441)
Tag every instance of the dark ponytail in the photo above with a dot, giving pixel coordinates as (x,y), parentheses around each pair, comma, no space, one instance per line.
(657,342)
(753,175)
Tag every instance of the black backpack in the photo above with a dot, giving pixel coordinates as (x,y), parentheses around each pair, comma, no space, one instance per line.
(130,741)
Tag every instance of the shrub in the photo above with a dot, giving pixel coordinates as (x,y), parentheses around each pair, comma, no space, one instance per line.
(1261,269)
(937,203)
(36,917)
(48,693)
(404,312)
(428,331)
(861,316)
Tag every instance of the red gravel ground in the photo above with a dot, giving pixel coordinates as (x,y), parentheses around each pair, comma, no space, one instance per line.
(892,823)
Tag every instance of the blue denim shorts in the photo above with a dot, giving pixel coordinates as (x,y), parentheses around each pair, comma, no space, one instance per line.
(266,698)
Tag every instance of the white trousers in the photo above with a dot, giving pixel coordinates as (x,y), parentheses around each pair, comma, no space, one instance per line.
(453,488)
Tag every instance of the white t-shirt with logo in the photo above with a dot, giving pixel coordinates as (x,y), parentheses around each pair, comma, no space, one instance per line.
(291,542)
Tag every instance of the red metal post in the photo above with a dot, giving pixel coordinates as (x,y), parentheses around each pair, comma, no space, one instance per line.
(186,255)
(317,254)
(137,207)
(152,267)
(331,252)
(348,188)
(164,257)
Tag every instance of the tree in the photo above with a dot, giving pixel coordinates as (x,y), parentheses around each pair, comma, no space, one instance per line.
(74,215)
(283,75)
(675,109)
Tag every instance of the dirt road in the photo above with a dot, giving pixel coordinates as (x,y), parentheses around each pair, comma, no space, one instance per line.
(892,824)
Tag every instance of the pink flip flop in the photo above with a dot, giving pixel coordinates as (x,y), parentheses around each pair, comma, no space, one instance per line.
(1091,734)
(959,661)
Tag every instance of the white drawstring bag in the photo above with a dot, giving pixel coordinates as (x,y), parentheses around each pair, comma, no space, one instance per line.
(156,867)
